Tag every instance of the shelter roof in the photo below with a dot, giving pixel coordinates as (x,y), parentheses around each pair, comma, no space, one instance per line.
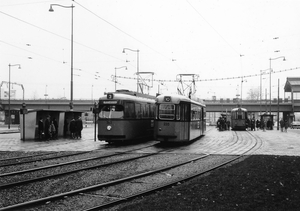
(292,84)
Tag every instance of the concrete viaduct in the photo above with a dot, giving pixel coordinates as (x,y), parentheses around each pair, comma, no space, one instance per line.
(211,105)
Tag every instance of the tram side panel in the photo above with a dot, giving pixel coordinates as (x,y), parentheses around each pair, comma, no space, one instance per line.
(195,130)
(120,130)
(171,131)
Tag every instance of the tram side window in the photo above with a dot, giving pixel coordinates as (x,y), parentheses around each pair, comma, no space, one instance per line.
(178,112)
(146,111)
(166,111)
(138,110)
(129,110)
(152,111)
(149,113)
(111,111)
(195,112)
(184,112)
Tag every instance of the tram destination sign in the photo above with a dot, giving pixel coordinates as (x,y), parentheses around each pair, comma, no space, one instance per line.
(110,102)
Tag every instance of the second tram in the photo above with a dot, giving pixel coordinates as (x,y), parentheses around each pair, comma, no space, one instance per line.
(126,116)
(239,119)
(179,119)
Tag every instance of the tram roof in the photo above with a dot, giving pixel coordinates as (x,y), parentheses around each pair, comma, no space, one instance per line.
(178,98)
(239,108)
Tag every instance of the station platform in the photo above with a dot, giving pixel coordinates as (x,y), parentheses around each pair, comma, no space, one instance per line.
(10,140)
(275,142)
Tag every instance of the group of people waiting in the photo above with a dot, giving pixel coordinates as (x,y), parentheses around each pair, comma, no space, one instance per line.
(265,124)
(252,124)
(283,125)
(74,127)
(223,123)
(48,129)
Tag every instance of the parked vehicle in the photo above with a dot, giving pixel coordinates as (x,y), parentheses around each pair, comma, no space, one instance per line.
(179,119)
(126,116)
(295,125)
(239,119)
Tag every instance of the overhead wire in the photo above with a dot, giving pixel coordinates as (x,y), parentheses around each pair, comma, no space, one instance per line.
(45,30)
(214,79)
(127,34)
(213,28)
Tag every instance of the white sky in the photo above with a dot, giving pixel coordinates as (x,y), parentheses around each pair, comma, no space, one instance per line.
(203,37)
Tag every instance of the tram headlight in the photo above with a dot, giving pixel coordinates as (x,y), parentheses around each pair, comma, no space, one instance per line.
(109,127)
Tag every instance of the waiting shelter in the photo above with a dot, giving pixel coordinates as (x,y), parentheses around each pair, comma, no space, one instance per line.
(268,120)
(292,86)
(29,121)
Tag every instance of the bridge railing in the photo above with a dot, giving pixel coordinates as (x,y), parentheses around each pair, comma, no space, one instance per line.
(238,101)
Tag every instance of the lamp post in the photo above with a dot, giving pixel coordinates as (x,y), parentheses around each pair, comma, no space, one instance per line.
(137,66)
(270,79)
(116,75)
(260,90)
(71,84)
(9,67)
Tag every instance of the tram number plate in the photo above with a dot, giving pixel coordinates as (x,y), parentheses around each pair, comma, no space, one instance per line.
(166,124)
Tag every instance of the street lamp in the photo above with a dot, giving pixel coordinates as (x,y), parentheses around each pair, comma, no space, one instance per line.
(9,66)
(71,84)
(260,90)
(137,66)
(116,75)
(270,77)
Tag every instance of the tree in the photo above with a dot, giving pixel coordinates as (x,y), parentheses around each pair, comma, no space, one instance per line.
(253,94)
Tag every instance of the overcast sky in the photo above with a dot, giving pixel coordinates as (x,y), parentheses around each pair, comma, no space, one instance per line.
(212,39)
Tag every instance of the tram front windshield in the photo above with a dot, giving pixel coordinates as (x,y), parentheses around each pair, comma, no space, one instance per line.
(167,111)
(239,114)
(111,111)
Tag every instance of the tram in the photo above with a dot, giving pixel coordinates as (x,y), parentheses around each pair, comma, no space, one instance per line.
(239,119)
(179,119)
(125,116)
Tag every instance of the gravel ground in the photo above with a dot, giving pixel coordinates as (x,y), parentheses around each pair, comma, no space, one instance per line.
(85,178)
(260,182)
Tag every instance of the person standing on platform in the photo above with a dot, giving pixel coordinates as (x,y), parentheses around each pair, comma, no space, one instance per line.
(46,129)
(228,125)
(66,124)
(286,125)
(41,128)
(281,122)
(79,127)
(252,124)
(257,124)
(52,130)
(263,125)
(56,128)
(72,128)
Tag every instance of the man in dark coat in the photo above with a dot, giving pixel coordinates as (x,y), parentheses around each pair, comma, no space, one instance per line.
(72,128)
(41,128)
(47,126)
(79,127)
(56,128)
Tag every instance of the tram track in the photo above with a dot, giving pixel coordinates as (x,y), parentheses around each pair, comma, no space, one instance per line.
(17,183)
(86,192)
(35,162)
(22,172)
(258,143)
(42,158)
